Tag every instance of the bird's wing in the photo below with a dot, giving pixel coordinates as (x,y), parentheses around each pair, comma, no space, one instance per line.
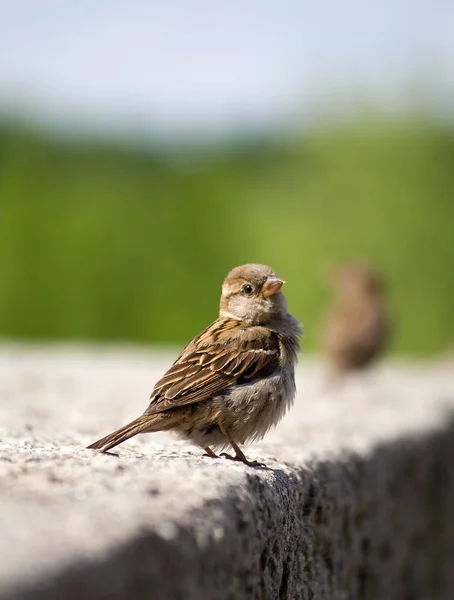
(227,353)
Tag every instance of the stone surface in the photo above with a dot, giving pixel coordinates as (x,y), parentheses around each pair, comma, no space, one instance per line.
(357,500)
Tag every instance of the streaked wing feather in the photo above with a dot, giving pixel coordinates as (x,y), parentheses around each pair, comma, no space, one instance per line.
(226,353)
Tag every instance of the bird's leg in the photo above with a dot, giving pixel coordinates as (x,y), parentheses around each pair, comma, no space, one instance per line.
(239,455)
(210,453)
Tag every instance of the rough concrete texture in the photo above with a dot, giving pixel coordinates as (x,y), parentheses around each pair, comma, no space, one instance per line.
(356,502)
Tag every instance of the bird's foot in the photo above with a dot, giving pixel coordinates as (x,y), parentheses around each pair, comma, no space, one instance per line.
(209,452)
(244,460)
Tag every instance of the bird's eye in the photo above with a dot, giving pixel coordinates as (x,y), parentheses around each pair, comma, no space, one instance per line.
(248,289)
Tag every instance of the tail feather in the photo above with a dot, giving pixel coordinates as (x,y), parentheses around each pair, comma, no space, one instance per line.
(139,425)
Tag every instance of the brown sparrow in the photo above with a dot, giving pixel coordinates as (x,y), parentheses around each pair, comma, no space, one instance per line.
(356,328)
(234,380)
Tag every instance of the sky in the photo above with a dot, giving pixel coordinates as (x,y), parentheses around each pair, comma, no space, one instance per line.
(176,67)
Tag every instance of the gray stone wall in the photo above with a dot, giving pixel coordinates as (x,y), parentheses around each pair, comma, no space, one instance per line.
(356,502)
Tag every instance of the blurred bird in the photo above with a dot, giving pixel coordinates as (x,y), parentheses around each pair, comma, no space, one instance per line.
(356,328)
(234,380)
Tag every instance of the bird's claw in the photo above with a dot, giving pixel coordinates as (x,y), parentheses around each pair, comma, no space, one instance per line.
(254,463)
(244,460)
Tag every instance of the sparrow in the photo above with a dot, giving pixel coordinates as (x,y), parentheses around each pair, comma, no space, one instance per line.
(235,379)
(356,328)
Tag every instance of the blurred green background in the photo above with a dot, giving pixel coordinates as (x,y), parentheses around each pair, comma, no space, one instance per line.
(114,241)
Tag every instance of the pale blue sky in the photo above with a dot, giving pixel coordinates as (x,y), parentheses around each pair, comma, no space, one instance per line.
(180,66)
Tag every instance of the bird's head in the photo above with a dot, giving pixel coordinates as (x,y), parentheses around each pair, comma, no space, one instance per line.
(253,293)
(356,278)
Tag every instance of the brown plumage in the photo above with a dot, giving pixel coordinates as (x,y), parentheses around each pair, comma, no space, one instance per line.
(356,328)
(234,380)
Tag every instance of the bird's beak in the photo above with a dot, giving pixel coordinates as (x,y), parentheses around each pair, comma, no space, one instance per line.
(272,286)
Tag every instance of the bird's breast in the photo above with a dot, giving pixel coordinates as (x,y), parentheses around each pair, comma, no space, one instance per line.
(253,408)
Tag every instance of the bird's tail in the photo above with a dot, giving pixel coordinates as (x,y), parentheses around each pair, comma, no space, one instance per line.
(139,425)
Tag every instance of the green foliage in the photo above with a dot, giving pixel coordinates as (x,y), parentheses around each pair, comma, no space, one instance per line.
(108,242)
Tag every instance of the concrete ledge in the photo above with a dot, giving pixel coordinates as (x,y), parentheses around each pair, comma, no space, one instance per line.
(357,500)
